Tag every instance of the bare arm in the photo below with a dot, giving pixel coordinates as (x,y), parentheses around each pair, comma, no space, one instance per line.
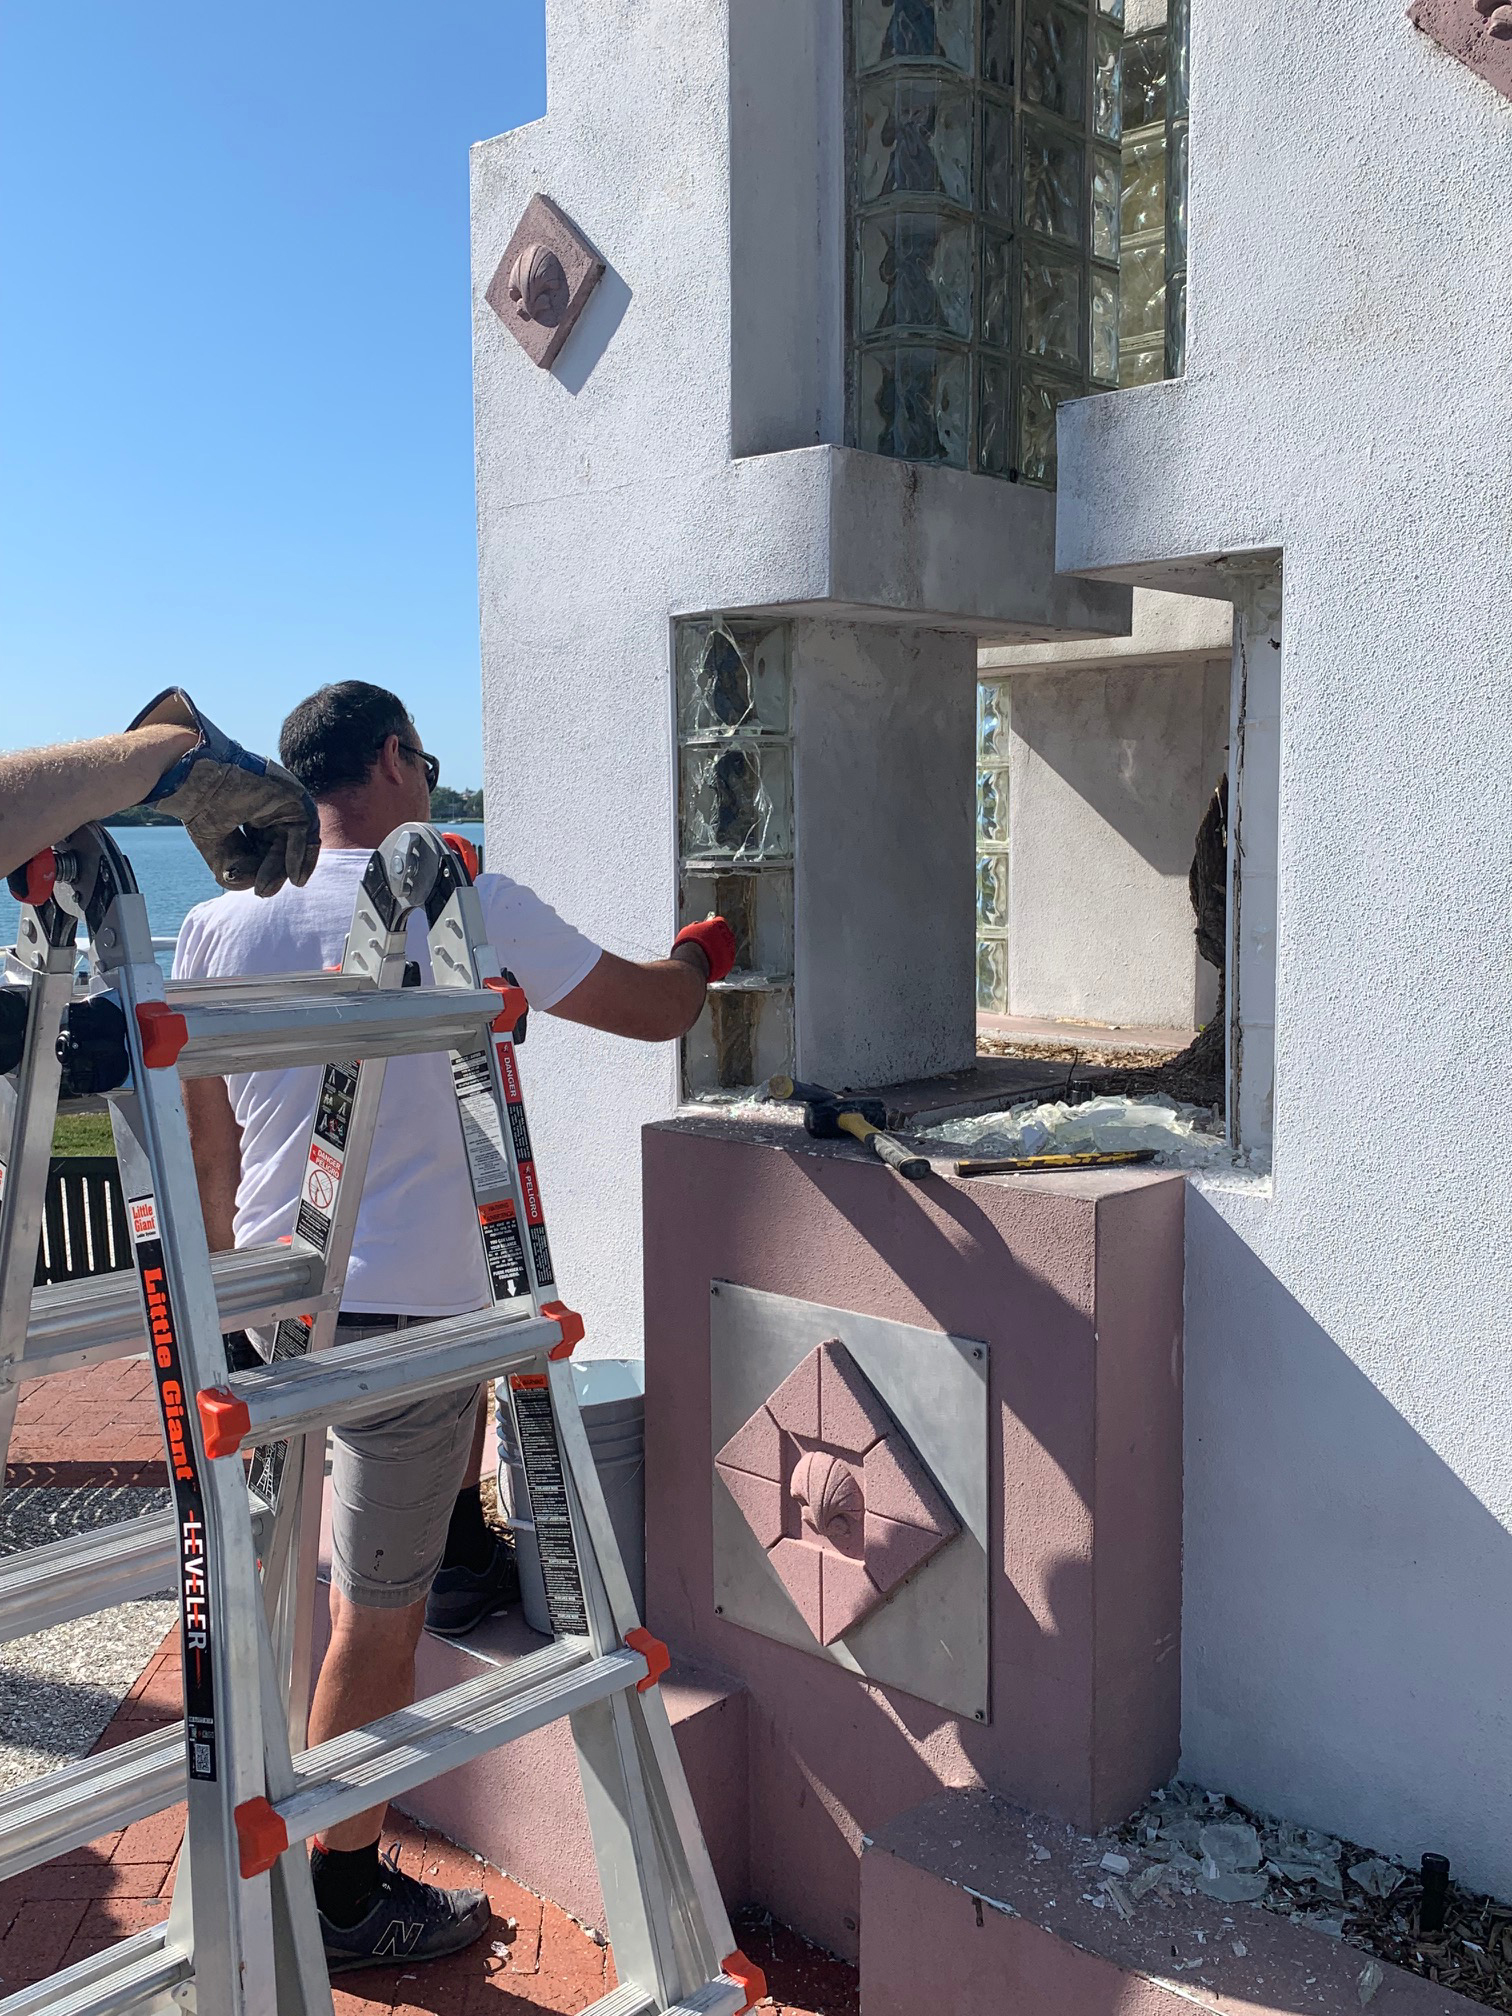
(46,793)
(655,1001)
(216,1141)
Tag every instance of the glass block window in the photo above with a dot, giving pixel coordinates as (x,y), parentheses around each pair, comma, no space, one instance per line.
(984,221)
(735,844)
(1152,260)
(992,847)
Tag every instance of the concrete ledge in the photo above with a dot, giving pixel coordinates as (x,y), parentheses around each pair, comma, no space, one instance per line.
(1167,630)
(995,1904)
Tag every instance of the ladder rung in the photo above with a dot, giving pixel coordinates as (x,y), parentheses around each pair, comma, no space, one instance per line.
(718,1998)
(295,1394)
(338,1779)
(86,1572)
(228,1035)
(97,1795)
(122,1978)
(78,1323)
(262,986)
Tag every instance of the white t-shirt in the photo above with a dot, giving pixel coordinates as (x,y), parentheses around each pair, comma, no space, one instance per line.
(416,1251)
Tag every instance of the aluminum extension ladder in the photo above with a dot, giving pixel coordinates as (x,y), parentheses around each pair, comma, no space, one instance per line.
(242,1937)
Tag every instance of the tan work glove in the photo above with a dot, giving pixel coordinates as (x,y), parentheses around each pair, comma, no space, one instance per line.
(255,824)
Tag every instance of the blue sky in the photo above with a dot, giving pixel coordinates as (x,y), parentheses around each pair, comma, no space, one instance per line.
(235,400)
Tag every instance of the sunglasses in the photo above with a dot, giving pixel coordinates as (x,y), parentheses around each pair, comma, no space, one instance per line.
(432,763)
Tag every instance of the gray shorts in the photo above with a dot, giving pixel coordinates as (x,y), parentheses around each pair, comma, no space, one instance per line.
(394,1477)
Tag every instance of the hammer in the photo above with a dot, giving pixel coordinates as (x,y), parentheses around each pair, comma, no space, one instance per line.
(827,1115)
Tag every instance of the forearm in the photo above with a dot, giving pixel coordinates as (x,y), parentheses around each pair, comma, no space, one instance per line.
(652,1001)
(46,793)
(216,1140)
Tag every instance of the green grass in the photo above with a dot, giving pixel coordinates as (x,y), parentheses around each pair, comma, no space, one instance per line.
(83,1134)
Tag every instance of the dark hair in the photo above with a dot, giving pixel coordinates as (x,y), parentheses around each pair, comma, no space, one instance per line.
(331,741)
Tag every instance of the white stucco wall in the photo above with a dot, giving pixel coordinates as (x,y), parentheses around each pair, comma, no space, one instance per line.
(1109,777)
(679,459)
(1348,1622)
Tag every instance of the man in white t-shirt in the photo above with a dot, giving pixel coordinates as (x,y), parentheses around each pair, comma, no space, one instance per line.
(404,1484)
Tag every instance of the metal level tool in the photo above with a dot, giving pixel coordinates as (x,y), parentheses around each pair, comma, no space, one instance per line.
(242,1937)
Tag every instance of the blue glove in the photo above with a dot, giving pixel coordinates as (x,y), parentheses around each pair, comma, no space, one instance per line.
(255,824)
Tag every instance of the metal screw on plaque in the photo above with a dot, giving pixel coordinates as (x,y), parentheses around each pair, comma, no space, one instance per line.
(538,286)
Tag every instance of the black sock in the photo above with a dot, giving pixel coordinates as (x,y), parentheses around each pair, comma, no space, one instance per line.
(346,1880)
(469,1541)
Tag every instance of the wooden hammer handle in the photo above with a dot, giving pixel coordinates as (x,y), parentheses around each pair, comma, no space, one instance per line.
(892,1152)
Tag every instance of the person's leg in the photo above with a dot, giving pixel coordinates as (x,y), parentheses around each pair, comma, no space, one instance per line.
(478,1574)
(368,1671)
(393,1479)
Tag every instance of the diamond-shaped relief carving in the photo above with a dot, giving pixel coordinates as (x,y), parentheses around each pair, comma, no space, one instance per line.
(832,1489)
(542,284)
(1478,32)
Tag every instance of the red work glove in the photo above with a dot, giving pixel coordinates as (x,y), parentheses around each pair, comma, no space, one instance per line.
(714,939)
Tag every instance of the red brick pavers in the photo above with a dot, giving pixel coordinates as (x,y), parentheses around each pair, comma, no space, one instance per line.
(94,1427)
(122,1883)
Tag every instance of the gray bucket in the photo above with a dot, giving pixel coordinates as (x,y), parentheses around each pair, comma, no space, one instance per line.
(612,1395)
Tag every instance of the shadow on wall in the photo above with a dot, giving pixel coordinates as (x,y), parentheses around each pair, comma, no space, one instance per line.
(1142,746)
(1348,1601)
(594,333)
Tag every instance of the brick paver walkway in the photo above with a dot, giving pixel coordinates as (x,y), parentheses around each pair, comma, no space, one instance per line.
(101,1426)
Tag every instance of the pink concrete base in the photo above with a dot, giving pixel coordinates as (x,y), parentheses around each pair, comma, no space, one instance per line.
(1075,1284)
(960,1917)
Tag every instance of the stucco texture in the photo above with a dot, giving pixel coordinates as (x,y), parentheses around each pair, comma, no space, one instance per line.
(1348,1606)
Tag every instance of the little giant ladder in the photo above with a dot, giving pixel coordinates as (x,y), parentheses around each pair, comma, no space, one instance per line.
(242,1937)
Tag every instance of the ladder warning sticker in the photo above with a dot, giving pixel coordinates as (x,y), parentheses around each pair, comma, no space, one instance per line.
(502,1249)
(333,1116)
(481,1131)
(542,1458)
(188,1499)
(318,1199)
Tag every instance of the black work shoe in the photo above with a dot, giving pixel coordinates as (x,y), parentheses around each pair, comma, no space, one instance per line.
(408,1921)
(461,1598)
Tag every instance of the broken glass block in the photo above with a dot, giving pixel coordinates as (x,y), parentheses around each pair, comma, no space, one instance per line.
(732,676)
(743,1037)
(758,906)
(736,799)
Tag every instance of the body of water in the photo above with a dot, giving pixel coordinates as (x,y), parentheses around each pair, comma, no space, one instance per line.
(171,875)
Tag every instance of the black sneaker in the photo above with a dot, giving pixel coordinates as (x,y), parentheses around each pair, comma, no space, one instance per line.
(460,1598)
(408,1921)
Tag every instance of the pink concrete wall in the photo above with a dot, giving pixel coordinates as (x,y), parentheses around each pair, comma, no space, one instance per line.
(1075,1284)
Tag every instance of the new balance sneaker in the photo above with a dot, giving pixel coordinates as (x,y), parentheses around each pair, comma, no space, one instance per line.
(460,1598)
(408,1921)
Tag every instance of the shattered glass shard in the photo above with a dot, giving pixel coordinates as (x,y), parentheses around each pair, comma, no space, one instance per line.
(1236,1886)
(1230,1845)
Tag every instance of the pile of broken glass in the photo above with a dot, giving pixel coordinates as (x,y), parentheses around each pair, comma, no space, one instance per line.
(1182,1136)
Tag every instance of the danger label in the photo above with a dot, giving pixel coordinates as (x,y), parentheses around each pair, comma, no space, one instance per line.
(482,1130)
(322,1180)
(508,1072)
(503,1253)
